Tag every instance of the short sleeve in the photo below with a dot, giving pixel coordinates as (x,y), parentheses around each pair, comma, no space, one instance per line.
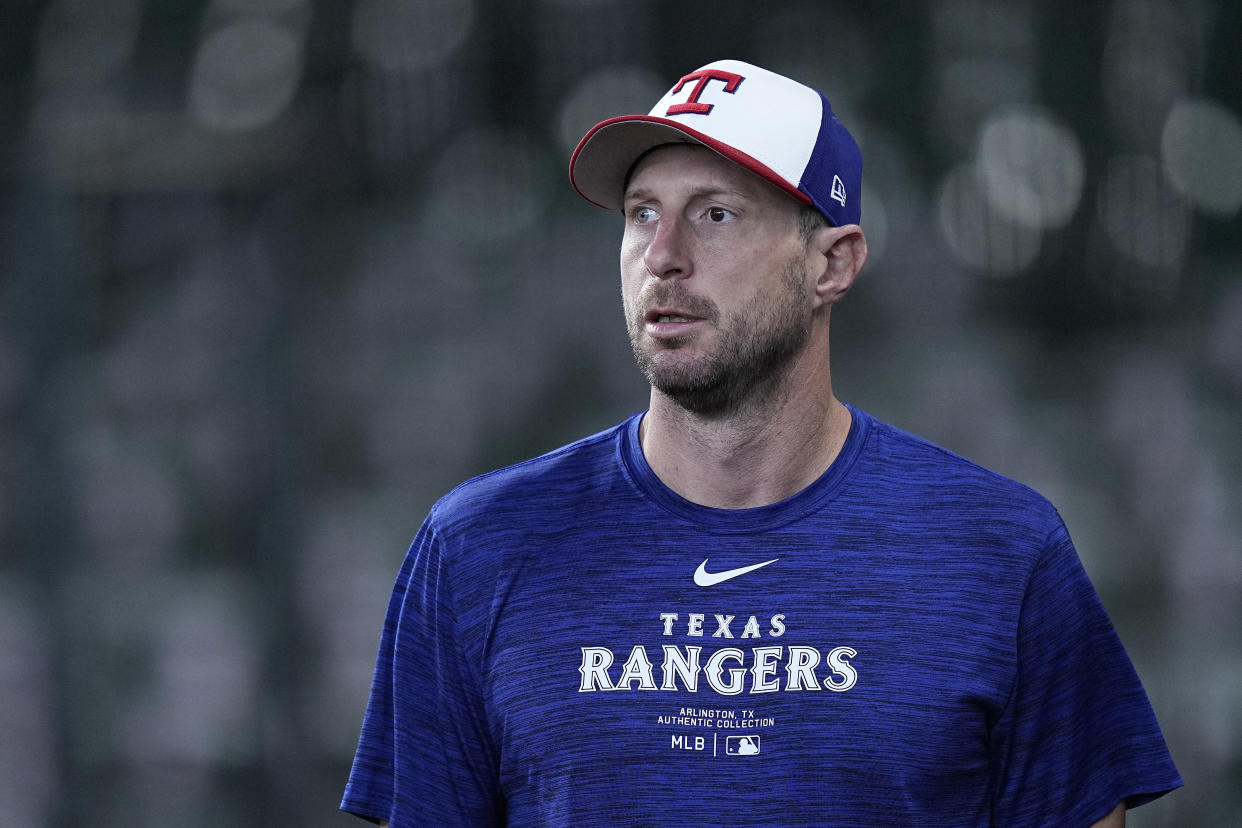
(424,756)
(1078,734)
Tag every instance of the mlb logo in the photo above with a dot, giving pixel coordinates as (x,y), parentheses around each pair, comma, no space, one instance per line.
(742,746)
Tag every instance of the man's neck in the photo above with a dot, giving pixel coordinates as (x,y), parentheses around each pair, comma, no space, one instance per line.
(764,453)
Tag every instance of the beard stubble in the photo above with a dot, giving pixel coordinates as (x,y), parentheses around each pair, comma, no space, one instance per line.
(754,347)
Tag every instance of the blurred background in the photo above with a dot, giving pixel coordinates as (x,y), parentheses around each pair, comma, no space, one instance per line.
(276,274)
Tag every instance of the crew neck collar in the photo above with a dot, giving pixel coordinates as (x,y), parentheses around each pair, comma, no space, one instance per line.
(769,516)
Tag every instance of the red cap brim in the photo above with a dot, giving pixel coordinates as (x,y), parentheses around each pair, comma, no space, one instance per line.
(604,156)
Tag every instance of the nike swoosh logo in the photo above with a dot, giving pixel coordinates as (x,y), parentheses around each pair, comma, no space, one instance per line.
(705,579)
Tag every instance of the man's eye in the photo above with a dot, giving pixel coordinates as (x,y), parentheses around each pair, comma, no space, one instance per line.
(717,214)
(642,215)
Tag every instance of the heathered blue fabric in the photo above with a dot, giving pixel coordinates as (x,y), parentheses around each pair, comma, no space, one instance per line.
(925,649)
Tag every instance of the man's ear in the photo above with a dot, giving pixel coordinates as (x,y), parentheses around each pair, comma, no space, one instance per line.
(841,252)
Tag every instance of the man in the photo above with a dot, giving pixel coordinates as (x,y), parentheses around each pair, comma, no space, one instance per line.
(752,604)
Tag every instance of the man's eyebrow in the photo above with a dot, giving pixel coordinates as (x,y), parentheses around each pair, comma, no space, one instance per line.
(635,194)
(641,193)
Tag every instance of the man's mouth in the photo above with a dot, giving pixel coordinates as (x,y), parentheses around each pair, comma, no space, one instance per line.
(669,325)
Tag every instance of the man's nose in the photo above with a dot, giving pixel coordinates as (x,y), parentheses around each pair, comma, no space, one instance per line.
(668,252)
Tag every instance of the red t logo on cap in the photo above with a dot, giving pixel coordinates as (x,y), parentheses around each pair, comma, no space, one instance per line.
(692,104)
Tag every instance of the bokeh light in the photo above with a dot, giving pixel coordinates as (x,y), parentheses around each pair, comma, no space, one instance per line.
(403,35)
(1031,167)
(983,58)
(982,237)
(1201,146)
(245,74)
(85,44)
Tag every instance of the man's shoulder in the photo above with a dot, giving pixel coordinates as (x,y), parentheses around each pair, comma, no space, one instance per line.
(565,473)
(925,466)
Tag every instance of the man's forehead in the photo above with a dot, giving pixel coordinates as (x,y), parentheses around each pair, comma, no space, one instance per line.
(702,168)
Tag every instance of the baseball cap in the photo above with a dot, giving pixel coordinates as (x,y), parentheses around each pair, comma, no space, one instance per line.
(769,124)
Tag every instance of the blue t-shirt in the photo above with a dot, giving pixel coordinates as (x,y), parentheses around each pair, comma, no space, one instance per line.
(910,640)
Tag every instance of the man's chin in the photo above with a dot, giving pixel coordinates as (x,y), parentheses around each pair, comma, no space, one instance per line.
(709,401)
(673,368)
(692,385)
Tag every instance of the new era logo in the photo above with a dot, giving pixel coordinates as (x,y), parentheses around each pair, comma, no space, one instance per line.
(838,190)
